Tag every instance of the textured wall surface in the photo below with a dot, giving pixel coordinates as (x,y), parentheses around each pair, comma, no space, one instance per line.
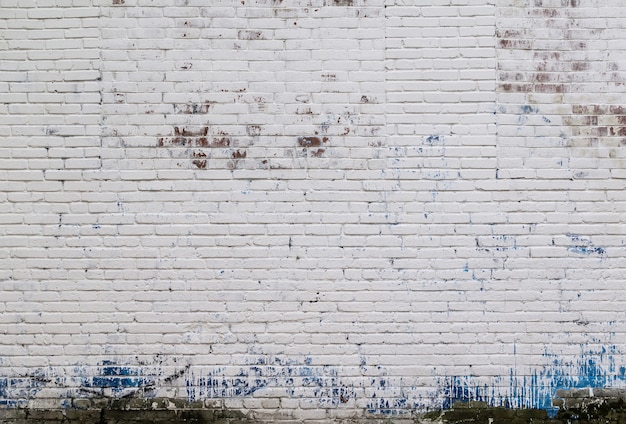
(312,209)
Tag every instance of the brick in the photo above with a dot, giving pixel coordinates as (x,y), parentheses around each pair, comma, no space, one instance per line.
(326,207)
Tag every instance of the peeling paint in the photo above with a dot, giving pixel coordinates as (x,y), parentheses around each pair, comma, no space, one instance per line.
(332,386)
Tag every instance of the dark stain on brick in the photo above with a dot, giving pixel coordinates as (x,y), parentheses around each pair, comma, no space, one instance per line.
(509,33)
(343,2)
(250,35)
(618,131)
(550,88)
(617,110)
(311,141)
(364,99)
(516,88)
(220,142)
(200,160)
(590,120)
(304,111)
(253,130)
(594,125)
(317,153)
(545,77)
(184,136)
(580,66)
(192,108)
(522,44)
(188,132)
(118,2)
(574,3)
(546,12)
(237,154)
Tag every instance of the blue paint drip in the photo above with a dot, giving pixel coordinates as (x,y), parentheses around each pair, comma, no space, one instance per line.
(298,379)
(592,369)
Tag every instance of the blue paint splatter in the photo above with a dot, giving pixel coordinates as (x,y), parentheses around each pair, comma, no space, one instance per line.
(301,378)
(120,379)
(527,109)
(592,369)
(433,140)
(298,379)
(587,250)
(584,246)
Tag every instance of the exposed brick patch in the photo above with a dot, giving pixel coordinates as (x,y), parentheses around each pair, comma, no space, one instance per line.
(598,126)
(238,154)
(311,141)
(220,142)
(186,137)
(199,160)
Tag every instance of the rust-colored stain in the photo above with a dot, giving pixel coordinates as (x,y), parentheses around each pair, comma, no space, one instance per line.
(188,132)
(317,153)
(186,138)
(200,162)
(311,141)
(237,154)
(220,142)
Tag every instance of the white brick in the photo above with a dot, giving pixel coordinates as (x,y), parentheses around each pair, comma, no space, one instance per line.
(365,196)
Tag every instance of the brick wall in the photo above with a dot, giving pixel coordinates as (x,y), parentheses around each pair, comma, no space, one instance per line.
(315,209)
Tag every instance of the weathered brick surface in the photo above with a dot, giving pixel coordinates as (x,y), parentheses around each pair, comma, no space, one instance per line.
(311,210)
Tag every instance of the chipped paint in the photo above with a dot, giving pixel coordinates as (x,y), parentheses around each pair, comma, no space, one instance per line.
(330,386)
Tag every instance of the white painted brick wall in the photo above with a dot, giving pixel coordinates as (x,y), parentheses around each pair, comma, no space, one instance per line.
(311,209)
